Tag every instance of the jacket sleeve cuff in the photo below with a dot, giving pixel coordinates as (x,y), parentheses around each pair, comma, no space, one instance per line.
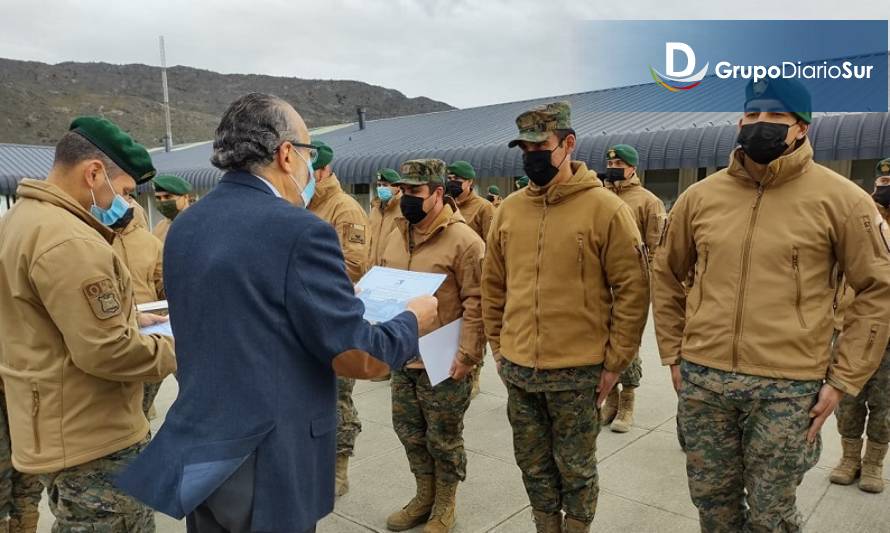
(668,361)
(466,359)
(845,387)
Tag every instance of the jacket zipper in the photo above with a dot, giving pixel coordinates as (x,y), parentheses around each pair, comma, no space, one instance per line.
(581,267)
(35,409)
(537,282)
(795,266)
(871,236)
(746,258)
(872,335)
(701,277)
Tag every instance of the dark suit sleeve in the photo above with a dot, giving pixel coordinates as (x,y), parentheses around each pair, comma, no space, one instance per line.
(327,315)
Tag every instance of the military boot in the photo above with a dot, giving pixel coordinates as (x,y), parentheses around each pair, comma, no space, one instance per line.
(610,408)
(418,509)
(547,522)
(625,417)
(442,517)
(27,523)
(341,476)
(847,470)
(576,526)
(873,467)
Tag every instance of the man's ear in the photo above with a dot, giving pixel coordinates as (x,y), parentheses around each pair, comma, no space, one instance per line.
(804,128)
(93,172)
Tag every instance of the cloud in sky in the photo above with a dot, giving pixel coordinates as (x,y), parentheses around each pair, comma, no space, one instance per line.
(463,52)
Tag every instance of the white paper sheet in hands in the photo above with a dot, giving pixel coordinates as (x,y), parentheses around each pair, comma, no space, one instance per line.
(386,291)
(438,349)
(158,329)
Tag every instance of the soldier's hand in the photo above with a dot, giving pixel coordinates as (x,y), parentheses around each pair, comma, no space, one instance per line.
(459,370)
(607,383)
(148,319)
(676,379)
(829,397)
(426,309)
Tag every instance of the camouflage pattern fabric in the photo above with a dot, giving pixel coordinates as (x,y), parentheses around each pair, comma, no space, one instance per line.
(632,374)
(150,392)
(872,403)
(84,500)
(348,424)
(746,448)
(19,493)
(430,423)
(421,172)
(555,425)
(536,124)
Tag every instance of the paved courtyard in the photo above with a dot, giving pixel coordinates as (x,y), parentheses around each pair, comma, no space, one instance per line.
(642,473)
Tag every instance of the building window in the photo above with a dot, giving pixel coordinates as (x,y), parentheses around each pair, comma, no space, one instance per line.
(665,184)
(862,173)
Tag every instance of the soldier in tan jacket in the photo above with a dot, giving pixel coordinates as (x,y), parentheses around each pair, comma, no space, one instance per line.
(749,345)
(73,377)
(143,255)
(171,198)
(432,236)
(873,403)
(331,204)
(384,211)
(564,302)
(648,210)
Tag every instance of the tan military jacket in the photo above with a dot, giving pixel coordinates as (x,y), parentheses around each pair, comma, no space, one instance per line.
(143,254)
(71,356)
(565,281)
(448,247)
(342,211)
(764,257)
(648,209)
(478,212)
(383,222)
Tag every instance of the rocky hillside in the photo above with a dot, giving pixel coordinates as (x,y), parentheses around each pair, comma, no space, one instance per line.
(38,100)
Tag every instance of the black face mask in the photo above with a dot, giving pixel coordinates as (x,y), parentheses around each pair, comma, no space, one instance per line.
(454,188)
(538,167)
(412,208)
(614,174)
(490,198)
(882,195)
(123,221)
(763,142)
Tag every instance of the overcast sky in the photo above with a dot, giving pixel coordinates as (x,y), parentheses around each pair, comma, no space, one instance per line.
(461,52)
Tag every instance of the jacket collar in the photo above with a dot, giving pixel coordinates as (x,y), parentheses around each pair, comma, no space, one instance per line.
(325,190)
(450,214)
(246,179)
(620,186)
(45,191)
(582,179)
(779,172)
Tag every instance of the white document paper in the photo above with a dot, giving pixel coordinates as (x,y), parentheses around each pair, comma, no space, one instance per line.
(158,329)
(386,291)
(160,305)
(438,350)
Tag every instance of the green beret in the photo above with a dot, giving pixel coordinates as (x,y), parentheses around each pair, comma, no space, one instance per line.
(325,154)
(171,184)
(105,135)
(624,152)
(494,190)
(790,92)
(422,171)
(523,181)
(883,167)
(536,124)
(462,169)
(388,175)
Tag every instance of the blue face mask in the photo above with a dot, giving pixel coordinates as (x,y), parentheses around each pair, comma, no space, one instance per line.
(306,193)
(115,211)
(384,193)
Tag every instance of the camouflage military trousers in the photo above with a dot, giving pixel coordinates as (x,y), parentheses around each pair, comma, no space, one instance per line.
(554,441)
(872,403)
(746,448)
(150,392)
(19,493)
(430,423)
(348,424)
(84,500)
(632,375)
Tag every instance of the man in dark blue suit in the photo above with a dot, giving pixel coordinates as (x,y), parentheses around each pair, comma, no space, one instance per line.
(264,317)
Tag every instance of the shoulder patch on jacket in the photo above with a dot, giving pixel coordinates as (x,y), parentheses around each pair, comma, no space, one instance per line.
(102,297)
(355,233)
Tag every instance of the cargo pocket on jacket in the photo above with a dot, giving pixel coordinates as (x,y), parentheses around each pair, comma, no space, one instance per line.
(798,287)
(876,236)
(700,278)
(580,240)
(35,411)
